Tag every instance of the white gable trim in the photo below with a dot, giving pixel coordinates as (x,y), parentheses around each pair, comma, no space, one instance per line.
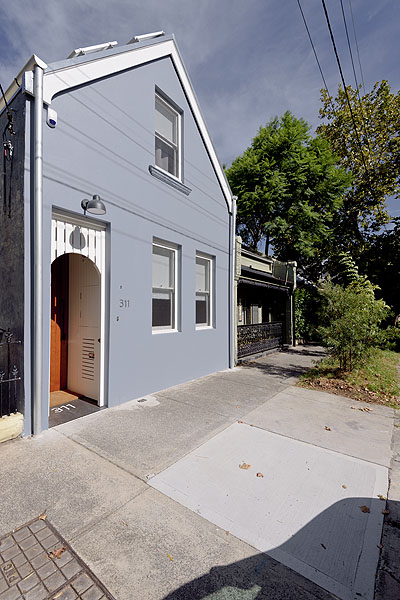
(66,77)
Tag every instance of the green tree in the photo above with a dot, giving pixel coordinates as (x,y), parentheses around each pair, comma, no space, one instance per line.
(369,148)
(351,318)
(290,191)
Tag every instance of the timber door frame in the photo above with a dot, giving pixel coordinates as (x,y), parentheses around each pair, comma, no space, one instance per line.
(73,234)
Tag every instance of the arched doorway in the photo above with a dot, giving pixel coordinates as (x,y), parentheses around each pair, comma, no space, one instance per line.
(75,347)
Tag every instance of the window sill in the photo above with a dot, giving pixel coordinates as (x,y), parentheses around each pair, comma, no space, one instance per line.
(167,178)
(202,327)
(160,331)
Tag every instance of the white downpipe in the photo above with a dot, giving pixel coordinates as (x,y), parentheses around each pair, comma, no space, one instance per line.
(38,253)
(232,333)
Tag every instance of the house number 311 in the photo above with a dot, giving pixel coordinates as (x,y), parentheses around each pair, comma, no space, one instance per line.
(124,303)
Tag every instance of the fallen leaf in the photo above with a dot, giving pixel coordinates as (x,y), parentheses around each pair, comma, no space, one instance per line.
(381,497)
(169,556)
(344,486)
(364,509)
(124,524)
(386,511)
(244,466)
(260,475)
(353,407)
(227,532)
(328,428)
(240,421)
(58,553)
(43,517)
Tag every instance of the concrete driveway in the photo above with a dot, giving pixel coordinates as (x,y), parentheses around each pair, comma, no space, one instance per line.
(152,495)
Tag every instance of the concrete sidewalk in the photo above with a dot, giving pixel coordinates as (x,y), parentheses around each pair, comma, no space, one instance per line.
(150,494)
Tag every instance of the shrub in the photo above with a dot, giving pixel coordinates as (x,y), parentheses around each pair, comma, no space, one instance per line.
(351,317)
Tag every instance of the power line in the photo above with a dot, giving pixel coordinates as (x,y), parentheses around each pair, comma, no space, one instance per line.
(344,85)
(355,78)
(355,38)
(313,47)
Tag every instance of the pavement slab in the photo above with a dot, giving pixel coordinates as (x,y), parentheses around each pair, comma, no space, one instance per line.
(59,575)
(304,508)
(143,438)
(304,414)
(52,474)
(154,548)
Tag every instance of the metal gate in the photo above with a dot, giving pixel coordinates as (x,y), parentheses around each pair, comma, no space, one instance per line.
(258,338)
(9,372)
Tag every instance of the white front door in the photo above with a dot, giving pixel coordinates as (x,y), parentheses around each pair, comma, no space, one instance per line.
(84,342)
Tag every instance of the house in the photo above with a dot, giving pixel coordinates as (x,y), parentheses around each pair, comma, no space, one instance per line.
(264,300)
(117,231)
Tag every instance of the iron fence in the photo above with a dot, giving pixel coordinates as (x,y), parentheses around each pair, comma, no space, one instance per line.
(9,373)
(259,337)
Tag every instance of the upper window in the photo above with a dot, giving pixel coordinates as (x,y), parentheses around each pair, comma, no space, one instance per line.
(167,137)
(203,291)
(164,277)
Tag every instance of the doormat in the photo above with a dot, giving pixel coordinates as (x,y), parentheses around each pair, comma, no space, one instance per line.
(36,563)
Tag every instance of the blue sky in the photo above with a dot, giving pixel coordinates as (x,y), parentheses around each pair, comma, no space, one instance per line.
(248,60)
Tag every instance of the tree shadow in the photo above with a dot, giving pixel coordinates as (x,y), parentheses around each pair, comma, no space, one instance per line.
(335,555)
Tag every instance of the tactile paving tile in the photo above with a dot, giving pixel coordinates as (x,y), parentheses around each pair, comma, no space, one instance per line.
(36,563)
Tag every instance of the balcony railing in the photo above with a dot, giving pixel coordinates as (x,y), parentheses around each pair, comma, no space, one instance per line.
(258,338)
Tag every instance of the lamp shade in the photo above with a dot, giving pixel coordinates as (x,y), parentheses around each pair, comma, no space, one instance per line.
(95,206)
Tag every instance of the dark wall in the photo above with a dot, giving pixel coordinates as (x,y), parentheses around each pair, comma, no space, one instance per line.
(12,243)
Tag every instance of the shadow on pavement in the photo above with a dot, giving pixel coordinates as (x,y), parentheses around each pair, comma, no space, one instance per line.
(288,363)
(337,551)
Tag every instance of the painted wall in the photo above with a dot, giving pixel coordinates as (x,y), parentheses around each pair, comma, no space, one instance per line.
(103,144)
(12,242)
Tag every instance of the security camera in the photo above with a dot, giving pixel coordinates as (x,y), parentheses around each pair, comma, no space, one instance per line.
(51,118)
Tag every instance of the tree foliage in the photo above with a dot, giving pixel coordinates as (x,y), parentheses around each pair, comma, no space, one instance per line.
(351,318)
(290,191)
(369,148)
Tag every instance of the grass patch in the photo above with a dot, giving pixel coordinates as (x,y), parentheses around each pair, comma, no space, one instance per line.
(375,380)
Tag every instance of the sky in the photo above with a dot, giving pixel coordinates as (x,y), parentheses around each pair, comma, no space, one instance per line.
(248,60)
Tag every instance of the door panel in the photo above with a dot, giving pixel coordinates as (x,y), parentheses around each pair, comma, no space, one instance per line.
(84,328)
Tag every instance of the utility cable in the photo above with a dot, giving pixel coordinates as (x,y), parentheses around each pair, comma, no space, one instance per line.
(355,37)
(355,79)
(313,47)
(344,85)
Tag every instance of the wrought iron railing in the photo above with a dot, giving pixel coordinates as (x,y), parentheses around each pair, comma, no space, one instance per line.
(9,373)
(257,338)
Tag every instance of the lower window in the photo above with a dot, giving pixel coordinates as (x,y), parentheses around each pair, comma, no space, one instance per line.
(203,291)
(164,278)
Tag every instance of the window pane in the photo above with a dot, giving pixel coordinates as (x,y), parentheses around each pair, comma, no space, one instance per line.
(202,309)
(163,274)
(166,121)
(162,309)
(166,157)
(202,275)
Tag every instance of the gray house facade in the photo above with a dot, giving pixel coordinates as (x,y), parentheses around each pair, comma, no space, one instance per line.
(120,230)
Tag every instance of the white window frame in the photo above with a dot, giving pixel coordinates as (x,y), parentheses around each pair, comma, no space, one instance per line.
(178,146)
(210,260)
(156,329)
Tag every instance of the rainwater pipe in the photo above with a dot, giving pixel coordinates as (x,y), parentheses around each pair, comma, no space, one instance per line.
(232,323)
(37,346)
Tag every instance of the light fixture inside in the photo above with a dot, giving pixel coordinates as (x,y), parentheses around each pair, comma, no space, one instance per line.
(95,206)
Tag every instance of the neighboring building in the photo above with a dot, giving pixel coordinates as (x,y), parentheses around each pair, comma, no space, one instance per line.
(264,290)
(111,306)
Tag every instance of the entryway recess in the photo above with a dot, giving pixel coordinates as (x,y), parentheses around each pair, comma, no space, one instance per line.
(78,298)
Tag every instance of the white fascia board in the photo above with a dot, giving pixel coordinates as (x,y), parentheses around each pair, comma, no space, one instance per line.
(20,80)
(67,77)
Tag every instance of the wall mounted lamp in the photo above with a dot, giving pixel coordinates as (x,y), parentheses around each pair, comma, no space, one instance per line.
(95,206)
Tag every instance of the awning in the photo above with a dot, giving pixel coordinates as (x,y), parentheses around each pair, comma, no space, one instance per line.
(264,284)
